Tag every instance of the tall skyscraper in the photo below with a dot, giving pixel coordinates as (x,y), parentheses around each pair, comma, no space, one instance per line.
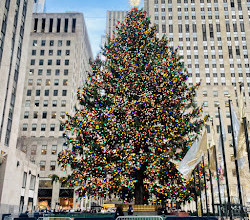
(214,38)
(58,63)
(113,17)
(18,177)
(39,6)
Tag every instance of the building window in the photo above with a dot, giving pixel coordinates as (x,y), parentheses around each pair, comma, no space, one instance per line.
(50,52)
(26,115)
(62,115)
(54,149)
(66,25)
(53,115)
(43,127)
(51,43)
(46,92)
(49,62)
(59,52)
(205,104)
(38,92)
(64,93)
(58,62)
(52,165)
(68,43)
(67,52)
(25,127)
(55,93)
(42,165)
(66,72)
(47,82)
(40,72)
(73,25)
(32,182)
(43,42)
(24,180)
(57,72)
(36,103)
(66,62)
(44,115)
(54,103)
(215,93)
(32,62)
(52,127)
(34,127)
(63,103)
(39,83)
(27,103)
(34,43)
(59,43)
(48,72)
(44,150)
(50,25)
(65,82)
(35,115)
(58,27)
(56,82)
(45,103)
(33,52)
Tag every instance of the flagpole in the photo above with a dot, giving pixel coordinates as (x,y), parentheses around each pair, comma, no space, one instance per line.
(218,179)
(205,183)
(235,159)
(225,167)
(246,133)
(196,202)
(198,167)
(211,182)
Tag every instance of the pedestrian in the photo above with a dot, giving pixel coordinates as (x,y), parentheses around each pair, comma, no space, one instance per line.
(130,210)
(119,212)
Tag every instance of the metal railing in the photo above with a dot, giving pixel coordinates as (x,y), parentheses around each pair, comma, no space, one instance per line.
(54,218)
(139,218)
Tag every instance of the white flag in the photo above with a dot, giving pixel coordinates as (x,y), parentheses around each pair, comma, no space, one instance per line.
(193,156)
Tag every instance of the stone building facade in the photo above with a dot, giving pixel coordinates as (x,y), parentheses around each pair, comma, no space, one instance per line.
(58,63)
(214,38)
(18,177)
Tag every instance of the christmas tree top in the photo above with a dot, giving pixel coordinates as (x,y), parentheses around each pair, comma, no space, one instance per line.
(135,3)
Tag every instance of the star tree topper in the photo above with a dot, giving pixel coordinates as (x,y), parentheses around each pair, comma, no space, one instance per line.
(134,3)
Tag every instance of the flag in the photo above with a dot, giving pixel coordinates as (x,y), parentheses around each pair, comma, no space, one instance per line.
(239,138)
(212,164)
(193,156)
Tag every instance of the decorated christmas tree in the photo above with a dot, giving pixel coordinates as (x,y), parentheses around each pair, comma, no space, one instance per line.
(135,120)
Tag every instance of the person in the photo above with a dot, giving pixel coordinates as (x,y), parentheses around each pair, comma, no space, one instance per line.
(130,210)
(119,212)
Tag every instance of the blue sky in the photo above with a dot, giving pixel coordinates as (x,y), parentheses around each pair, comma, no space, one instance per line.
(94,13)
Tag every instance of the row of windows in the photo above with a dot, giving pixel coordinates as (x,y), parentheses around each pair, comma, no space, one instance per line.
(48,72)
(45,103)
(47,82)
(32,181)
(43,165)
(50,52)
(58,25)
(44,149)
(44,115)
(46,92)
(52,43)
(49,62)
(193,1)
(52,127)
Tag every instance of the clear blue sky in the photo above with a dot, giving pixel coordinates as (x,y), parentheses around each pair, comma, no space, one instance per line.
(94,13)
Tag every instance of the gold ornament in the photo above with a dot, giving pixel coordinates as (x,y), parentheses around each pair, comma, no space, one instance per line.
(134,3)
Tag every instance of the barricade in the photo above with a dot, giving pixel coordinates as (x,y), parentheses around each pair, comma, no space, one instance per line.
(54,218)
(139,218)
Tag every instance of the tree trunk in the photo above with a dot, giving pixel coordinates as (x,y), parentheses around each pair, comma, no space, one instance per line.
(140,191)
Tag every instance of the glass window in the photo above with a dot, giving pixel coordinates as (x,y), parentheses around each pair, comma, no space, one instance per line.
(55,92)
(57,72)
(52,165)
(44,150)
(36,102)
(46,92)
(58,62)
(34,43)
(32,182)
(66,72)
(64,93)
(33,52)
(38,92)
(40,72)
(47,82)
(67,52)
(35,115)
(44,115)
(31,72)
(40,62)
(49,62)
(25,127)
(68,43)
(26,114)
(51,43)
(56,82)
(62,115)
(54,149)
(33,150)
(48,72)
(42,165)
(52,127)
(59,52)
(27,103)
(50,52)
(32,62)
(24,180)
(28,92)
(63,103)
(65,82)
(54,103)
(43,42)
(59,43)
(215,93)
(41,52)
(45,103)
(39,82)
(53,115)
(30,82)
(34,127)
(43,127)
